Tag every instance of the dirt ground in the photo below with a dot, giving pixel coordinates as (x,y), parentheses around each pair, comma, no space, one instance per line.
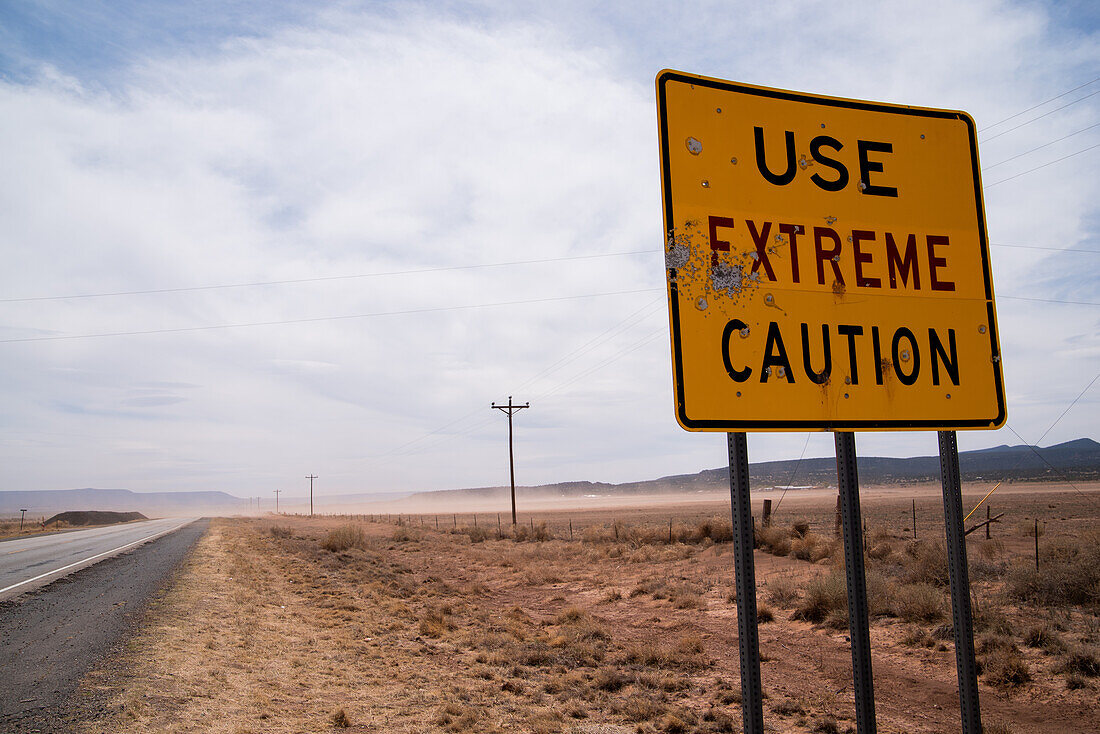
(590,620)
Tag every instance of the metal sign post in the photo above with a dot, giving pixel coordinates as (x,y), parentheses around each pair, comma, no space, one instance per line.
(862,680)
(748,633)
(963,623)
(828,269)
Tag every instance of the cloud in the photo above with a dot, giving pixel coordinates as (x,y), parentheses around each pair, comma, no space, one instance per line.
(362,140)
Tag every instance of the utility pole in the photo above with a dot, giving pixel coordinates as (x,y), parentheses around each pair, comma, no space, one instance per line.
(311,477)
(510,409)
(277,500)
(22,514)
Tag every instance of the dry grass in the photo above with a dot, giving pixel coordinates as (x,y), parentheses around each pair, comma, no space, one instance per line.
(280,627)
(825,598)
(11,529)
(1068,574)
(344,537)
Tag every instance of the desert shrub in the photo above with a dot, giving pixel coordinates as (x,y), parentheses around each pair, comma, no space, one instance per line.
(782,591)
(990,550)
(990,642)
(1076,681)
(989,617)
(434,623)
(925,563)
(803,547)
(685,596)
(787,707)
(344,537)
(774,540)
(1004,666)
(824,595)
(1069,574)
(687,654)
(879,549)
(919,603)
(718,721)
(982,570)
(639,708)
(799,529)
(477,533)
(764,613)
(609,679)
(457,717)
(679,722)
(918,637)
(340,719)
(1044,637)
(880,594)
(280,531)
(1081,661)
(718,531)
(538,532)
(580,625)
(826,726)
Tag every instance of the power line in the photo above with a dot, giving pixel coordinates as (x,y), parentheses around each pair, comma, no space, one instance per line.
(596,341)
(1048,300)
(622,353)
(794,473)
(568,358)
(1045,114)
(1063,415)
(1035,107)
(1051,163)
(321,279)
(1039,247)
(1044,145)
(1057,420)
(184,329)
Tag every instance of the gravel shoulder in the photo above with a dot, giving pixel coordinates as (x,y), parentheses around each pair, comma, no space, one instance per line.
(51,638)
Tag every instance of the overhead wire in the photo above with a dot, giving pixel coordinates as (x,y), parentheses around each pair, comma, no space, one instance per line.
(1032,170)
(1040,117)
(1035,107)
(1049,249)
(794,473)
(318,319)
(1049,300)
(1040,147)
(567,359)
(320,279)
(1035,451)
(593,343)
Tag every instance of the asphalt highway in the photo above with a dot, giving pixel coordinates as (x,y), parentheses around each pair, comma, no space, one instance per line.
(51,637)
(28,563)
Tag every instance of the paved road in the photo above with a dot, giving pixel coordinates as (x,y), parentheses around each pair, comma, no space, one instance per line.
(51,638)
(29,563)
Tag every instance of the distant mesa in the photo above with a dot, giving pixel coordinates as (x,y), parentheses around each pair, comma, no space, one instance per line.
(80,518)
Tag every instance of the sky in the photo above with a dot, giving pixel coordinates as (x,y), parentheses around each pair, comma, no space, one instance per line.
(247,242)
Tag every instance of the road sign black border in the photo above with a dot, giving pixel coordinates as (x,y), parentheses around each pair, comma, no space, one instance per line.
(667,76)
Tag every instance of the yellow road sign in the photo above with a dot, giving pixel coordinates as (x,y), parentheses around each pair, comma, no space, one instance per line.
(827,262)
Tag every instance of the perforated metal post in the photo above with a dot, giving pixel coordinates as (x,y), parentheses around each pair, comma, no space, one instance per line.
(962,619)
(748,634)
(858,628)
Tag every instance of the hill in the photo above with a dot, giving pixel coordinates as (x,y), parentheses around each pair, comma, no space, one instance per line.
(93,517)
(1077,460)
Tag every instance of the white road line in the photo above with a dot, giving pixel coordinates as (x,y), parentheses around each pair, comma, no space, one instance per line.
(90,558)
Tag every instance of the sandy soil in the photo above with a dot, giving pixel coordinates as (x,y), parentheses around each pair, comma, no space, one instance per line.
(415,629)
